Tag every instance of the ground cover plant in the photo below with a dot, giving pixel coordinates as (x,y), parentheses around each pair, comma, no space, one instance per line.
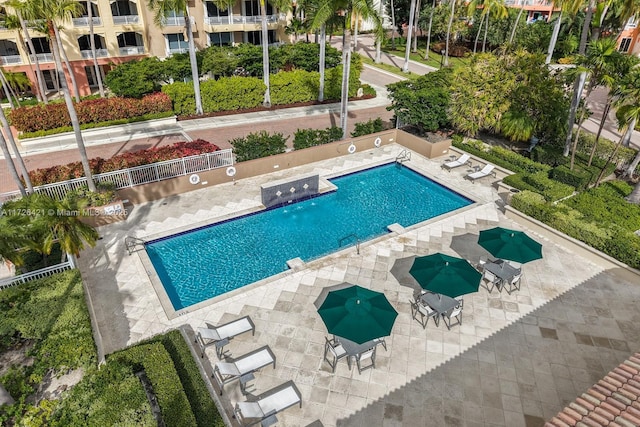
(49,317)
(122,161)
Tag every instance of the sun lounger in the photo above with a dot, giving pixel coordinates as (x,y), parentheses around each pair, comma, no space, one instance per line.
(226,372)
(460,161)
(263,411)
(486,171)
(220,335)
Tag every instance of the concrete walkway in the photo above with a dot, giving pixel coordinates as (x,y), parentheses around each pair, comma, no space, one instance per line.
(516,360)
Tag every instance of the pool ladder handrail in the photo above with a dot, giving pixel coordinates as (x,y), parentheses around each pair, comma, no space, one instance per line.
(404,155)
(352,235)
(131,242)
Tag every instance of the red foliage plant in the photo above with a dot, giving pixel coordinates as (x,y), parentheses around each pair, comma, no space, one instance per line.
(122,161)
(52,116)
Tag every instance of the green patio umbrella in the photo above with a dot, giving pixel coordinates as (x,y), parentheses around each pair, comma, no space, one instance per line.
(446,275)
(510,244)
(357,314)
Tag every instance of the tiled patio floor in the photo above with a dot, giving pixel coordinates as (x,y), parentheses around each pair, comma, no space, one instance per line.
(515,360)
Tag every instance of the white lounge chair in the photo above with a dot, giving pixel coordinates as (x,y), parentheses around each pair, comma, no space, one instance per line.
(486,171)
(460,161)
(454,313)
(220,335)
(226,372)
(263,411)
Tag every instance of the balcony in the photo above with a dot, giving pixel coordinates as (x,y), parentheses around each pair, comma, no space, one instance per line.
(100,53)
(218,20)
(131,50)
(174,21)
(11,60)
(84,21)
(271,19)
(126,19)
(171,51)
(42,57)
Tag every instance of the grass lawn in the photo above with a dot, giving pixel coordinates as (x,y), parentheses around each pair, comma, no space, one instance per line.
(390,68)
(435,59)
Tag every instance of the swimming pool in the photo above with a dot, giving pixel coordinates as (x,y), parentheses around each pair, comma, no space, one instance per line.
(209,261)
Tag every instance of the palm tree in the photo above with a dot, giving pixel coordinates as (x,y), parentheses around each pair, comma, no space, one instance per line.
(433,8)
(161,9)
(515,26)
(281,5)
(92,44)
(415,26)
(627,99)
(378,58)
(48,10)
(65,58)
(571,7)
(325,11)
(15,22)
(600,65)
(12,168)
(11,238)
(449,25)
(498,10)
(412,12)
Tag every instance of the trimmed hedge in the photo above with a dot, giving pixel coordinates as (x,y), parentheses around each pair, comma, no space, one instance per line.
(167,386)
(122,161)
(368,127)
(578,178)
(500,156)
(257,145)
(609,238)
(550,189)
(240,93)
(305,138)
(55,115)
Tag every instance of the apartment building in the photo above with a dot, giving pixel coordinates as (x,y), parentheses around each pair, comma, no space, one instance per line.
(124,30)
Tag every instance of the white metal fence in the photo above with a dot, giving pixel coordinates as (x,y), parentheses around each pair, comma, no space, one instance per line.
(33,275)
(138,175)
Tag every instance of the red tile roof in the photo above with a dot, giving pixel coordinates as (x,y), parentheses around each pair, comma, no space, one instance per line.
(613,401)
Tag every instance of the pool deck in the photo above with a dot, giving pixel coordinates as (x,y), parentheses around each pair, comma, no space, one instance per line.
(516,360)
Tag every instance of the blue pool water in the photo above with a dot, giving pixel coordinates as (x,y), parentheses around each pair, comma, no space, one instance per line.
(206,262)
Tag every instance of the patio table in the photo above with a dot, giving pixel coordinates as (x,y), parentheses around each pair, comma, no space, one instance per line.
(353,349)
(438,302)
(502,270)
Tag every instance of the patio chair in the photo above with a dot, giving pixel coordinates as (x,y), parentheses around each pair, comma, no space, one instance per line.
(490,281)
(460,161)
(333,348)
(220,335)
(486,171)
(263,411)
(366,360)
(425,312)
(460,301)
(382,341)
(454,313)
(514,283)
(245,365)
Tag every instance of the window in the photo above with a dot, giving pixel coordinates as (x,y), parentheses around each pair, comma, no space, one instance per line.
(176,43)
(252,8)
(174,14)
(213,11)
(130,39)
(85,43)
(625,44)
(91,75)
(220,39)
(255,37)
(40,44)
(123,8)
(94,9)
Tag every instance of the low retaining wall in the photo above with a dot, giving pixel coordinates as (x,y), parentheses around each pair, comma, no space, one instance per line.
(158,190)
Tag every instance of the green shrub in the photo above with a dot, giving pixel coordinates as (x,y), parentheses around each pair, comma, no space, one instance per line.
(109,396)
(605,205)
(533,204)
(549,155)
(257,145)
(577,178)
(161,372)
(294,86)
(203,407)
(305,138)
(368,127)
(625,246)
(551,190)
(500,156)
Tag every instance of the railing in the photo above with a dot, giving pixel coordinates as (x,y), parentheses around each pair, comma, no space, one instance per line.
(174,21)
(131,242)
(84,21)
(11,59)
(138,175)
(403,156)
(33,275)
(131,50)
(217,20)
(257,18)
(177,50)
(351,237)
(42,57)
(126,19)
(100,53)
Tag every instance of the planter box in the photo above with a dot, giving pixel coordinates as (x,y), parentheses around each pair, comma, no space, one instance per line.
(107,214)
